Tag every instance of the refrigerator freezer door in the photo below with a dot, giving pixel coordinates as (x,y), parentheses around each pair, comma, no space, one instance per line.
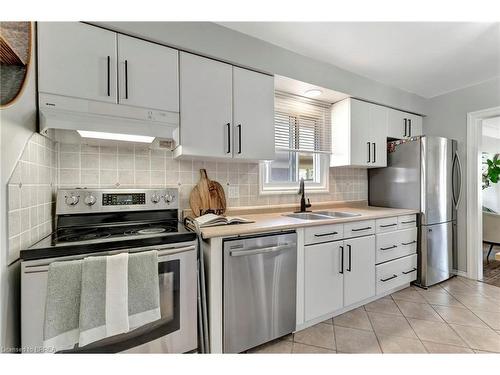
(436,253)
(437,195)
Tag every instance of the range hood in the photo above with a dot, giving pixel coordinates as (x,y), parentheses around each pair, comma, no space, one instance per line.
(88,116)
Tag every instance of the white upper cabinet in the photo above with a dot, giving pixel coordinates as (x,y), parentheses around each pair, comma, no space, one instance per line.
(77,60)
(253,114)
(358,134)
(402,125)
(148,74)
(226,112)
(206,108)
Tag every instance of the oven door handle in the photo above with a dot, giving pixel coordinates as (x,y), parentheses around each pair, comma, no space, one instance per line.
(174,250)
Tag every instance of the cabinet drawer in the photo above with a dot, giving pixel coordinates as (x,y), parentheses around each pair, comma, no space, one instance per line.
(324,233)
(396,273)
(359,228)
(387,224)
(407,221)
(396,244)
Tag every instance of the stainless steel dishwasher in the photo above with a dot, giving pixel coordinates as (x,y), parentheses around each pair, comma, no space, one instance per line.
(260,278)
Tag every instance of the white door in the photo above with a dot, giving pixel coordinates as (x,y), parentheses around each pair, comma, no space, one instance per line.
(323,279)
(359,265)
(148,74)
(77,60)
(205,107)
(360,121)
(415,125)
(253,113)
(378,135)
(397,124)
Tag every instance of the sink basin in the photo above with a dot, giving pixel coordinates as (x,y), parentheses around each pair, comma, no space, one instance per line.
(336,214)
(307,216)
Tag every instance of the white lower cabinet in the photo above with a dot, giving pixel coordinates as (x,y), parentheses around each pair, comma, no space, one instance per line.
(395,273)
(324,282)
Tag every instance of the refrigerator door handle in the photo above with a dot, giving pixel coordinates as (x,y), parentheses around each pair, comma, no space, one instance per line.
(459,164)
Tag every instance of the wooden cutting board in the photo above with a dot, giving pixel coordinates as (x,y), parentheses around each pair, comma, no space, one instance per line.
(207,195)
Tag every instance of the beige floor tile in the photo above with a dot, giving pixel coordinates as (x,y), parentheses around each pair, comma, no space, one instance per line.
(351,340)
(459,316)
(440,297)
(408,294)
(307,349)
(275,347)
(438,332)
(479,338)
(318,335)
(384,306)
(395,344)
(328,321)
(390,325)
(476,301)
(455,285)
(356,318)
(434,347)
(422,311)
(484,352)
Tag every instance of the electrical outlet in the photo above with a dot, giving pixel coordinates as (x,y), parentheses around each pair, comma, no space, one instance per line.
(233,191)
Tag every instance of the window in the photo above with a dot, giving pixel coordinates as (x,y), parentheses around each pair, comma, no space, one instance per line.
(303,146)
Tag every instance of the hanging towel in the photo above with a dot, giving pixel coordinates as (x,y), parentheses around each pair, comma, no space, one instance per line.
(62,305)
(104,298)
(143,288)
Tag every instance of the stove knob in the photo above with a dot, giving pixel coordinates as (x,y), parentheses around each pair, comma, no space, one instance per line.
(72,200)
(155,198)
(169,198)
(89,200)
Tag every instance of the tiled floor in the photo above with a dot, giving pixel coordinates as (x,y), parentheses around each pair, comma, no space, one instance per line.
(457,316)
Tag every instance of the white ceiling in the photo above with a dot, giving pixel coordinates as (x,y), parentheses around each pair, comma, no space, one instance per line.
(293,86)
(424,58)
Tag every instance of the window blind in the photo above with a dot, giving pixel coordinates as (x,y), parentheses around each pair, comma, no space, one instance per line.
(301,124)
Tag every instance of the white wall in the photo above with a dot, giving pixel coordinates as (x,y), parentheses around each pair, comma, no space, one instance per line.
(447,117)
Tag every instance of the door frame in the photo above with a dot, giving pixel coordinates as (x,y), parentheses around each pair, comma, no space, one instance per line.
(473,191)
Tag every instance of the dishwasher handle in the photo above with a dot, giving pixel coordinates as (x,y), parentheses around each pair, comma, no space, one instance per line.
(260,250)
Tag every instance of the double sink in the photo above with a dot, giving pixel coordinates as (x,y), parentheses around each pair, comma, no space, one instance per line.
(321,215)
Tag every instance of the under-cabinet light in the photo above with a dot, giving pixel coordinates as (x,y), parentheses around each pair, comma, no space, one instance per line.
(116,136)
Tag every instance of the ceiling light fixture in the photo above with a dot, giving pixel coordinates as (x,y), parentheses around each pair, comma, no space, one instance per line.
(313,93)
(116,136)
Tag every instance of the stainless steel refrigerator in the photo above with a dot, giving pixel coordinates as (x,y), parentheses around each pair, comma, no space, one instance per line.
(424,173)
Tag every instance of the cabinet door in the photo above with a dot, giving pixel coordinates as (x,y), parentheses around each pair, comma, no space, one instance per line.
(359,265)
(205,107)
(361,142)
(77,60)
(148,74)
(397,124)
(323,279)
(378,135)
(253,106)
(414,125)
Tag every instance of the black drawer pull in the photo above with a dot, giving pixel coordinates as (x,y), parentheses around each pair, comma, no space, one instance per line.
(408,222)
(389,278)
(408,243)
(387,225)
(357,230)
(325,234)
(407,272)
(389,248)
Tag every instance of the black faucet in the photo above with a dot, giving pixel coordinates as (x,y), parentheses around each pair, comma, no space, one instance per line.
(303,205)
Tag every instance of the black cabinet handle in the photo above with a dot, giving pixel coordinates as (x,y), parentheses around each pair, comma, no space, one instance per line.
(325,234)
(349,268)
(109,73)
(408,222)
(341,259)
(406,124)
(239,138)
(389,278)
(387,225)
(126,79)
(408,243)
(407,272)
(374,153)
(357,230)
(409,127)
(369,152)
(228,138)
(388,248)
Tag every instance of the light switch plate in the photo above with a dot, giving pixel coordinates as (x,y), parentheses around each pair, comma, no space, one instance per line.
(233,191)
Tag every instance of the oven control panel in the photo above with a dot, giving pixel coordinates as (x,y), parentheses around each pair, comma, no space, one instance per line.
(75,201)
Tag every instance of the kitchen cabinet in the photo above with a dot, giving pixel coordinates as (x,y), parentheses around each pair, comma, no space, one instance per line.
(358,134)
(226,112)
(359,273)
(402,124)
(324,278)
(148,74)
(77,60)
